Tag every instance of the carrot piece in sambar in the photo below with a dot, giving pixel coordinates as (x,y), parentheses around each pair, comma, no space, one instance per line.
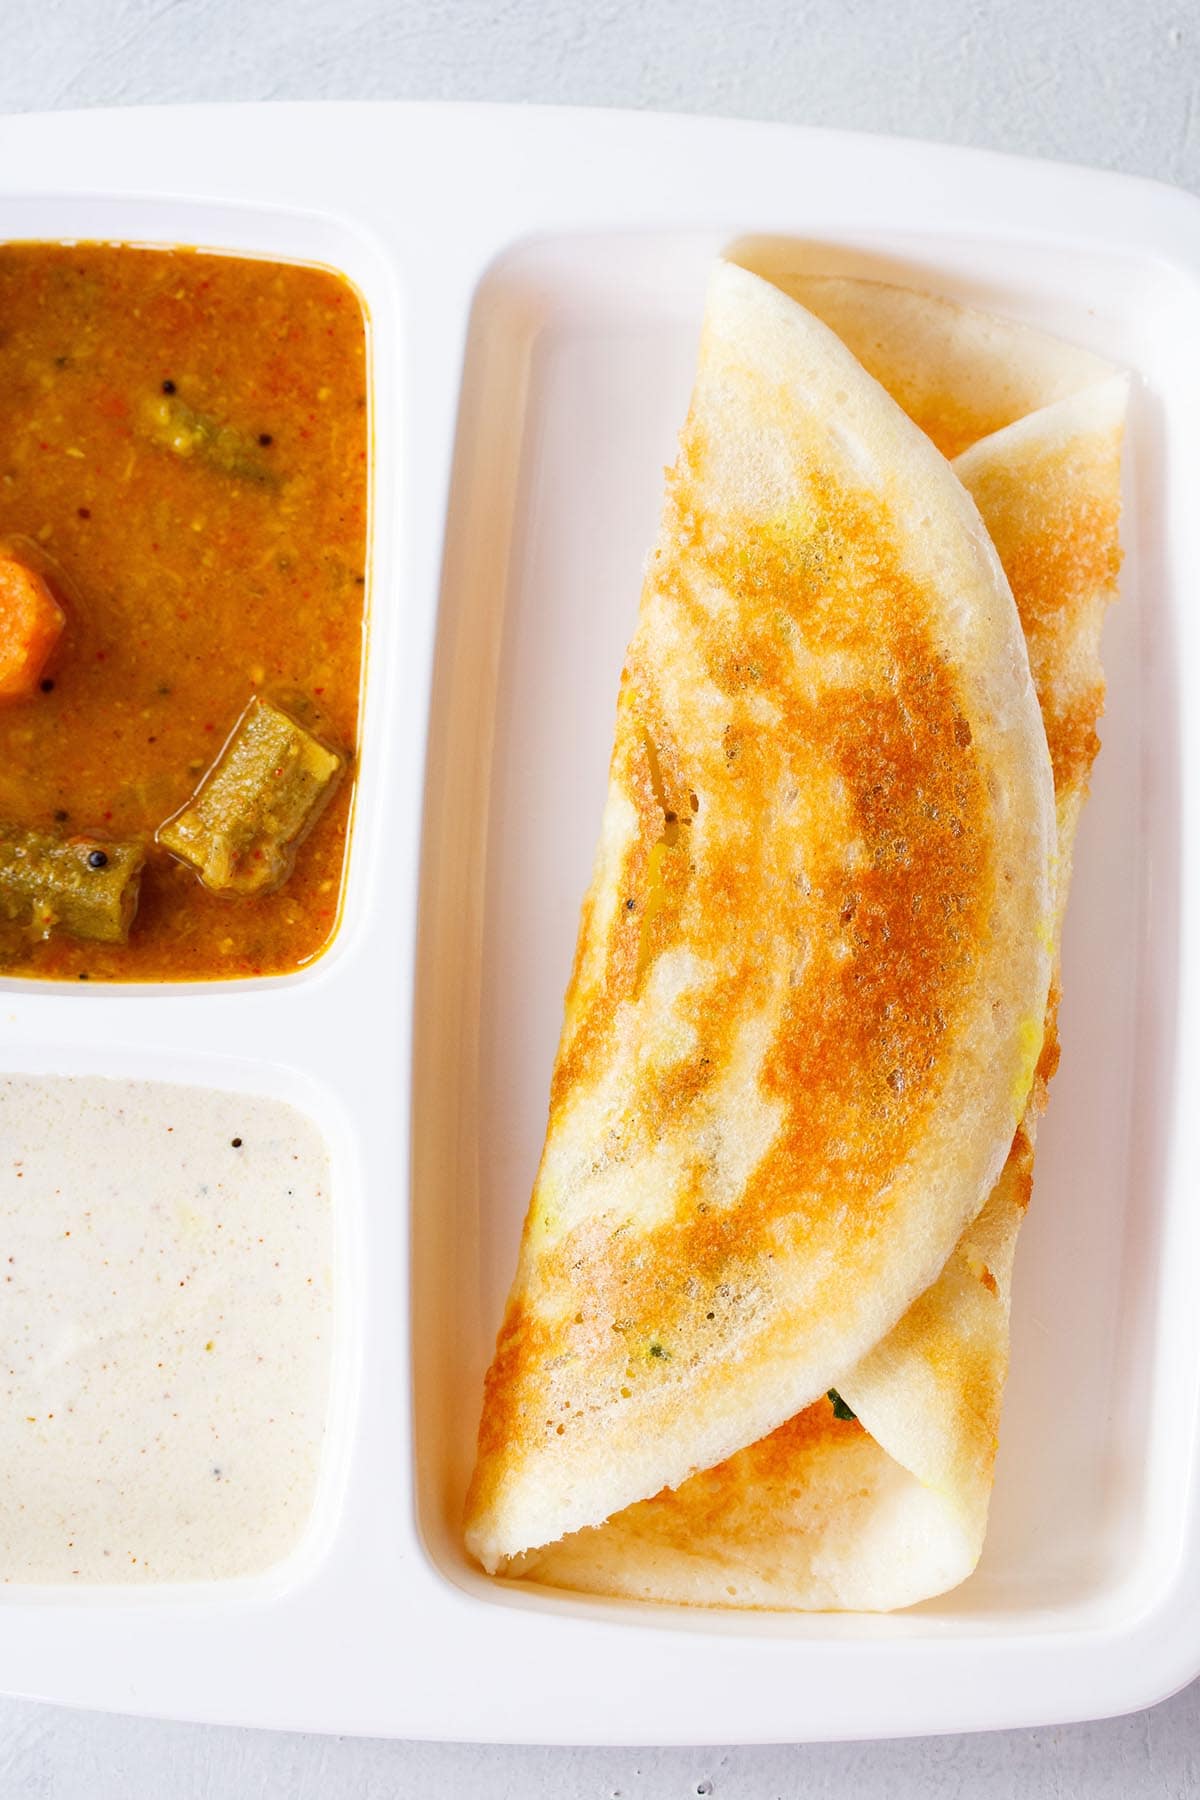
(31,623)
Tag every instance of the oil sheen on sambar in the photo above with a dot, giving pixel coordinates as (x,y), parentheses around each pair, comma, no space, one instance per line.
(190,583)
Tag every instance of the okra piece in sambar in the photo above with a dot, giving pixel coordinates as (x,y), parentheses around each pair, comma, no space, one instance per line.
(243,825)
(84,886)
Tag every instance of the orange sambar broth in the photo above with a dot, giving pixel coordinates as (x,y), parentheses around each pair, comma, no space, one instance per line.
(187,589)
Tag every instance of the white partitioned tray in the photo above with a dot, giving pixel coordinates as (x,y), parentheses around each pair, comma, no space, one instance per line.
(535,281)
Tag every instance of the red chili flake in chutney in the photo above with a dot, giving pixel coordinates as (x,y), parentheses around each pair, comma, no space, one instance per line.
(186,571)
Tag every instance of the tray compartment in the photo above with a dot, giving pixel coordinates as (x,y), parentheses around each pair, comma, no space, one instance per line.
(578,371)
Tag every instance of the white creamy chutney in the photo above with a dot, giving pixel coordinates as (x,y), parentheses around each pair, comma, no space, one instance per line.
(165,1329)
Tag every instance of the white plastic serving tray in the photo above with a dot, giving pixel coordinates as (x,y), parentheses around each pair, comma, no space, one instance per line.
(535,281)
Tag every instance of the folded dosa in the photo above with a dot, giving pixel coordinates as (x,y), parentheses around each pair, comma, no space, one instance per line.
(813,962)
(890,1507)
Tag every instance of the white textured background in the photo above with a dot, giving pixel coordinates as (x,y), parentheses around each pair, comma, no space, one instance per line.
(1112,82)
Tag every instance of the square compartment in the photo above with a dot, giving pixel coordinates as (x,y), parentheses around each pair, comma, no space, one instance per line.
(283,237)
(227,1077)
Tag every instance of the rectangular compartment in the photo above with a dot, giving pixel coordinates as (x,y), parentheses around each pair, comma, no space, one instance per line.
(579,367)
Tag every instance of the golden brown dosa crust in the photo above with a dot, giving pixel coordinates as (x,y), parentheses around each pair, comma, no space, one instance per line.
(709,1500)
(1053,517)
(856,1060)
(807,996)
(1049,492)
